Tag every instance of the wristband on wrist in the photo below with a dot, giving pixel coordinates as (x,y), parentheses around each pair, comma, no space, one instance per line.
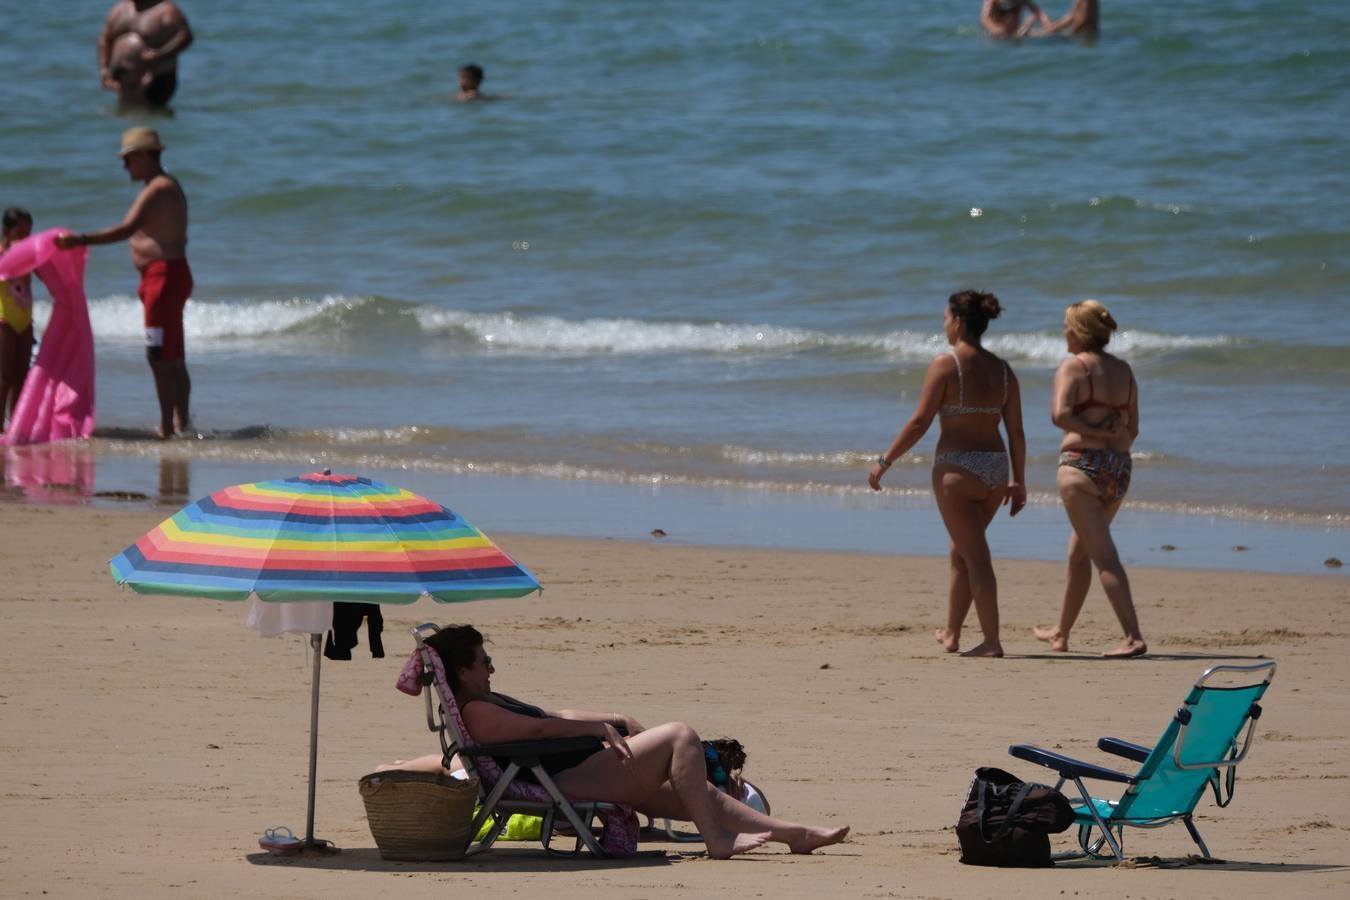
(881,461)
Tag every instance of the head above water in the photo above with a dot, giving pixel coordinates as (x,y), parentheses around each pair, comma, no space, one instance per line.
(470,77)
(975,310)
(1090,322)
(18,223)
(458,647)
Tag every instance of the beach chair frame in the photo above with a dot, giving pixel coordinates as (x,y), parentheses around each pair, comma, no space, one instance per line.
(1169,782)
(504,797)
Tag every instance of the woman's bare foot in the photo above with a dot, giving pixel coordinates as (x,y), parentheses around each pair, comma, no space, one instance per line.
(950,642)
(727,844)
(1052,636)
(1128,648)
(988,648)
(815,838)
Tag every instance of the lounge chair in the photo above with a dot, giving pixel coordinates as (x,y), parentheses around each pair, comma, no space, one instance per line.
(1203,738)
(500,793)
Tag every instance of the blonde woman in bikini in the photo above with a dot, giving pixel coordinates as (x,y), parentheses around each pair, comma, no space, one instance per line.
(970,391)
(1096,402)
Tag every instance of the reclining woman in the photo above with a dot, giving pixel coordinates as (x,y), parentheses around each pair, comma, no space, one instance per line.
(660,772)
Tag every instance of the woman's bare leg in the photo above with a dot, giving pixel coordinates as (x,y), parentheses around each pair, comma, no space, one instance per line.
(429,763)
(959,599)
(9,372)
(967,506)
(670,753)
(1092,524)
(1077,581)
(666,804)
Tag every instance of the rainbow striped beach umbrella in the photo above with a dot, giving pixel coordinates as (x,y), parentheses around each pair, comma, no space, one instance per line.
(319,537)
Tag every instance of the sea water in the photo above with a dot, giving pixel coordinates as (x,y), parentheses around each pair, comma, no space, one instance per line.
(705,247)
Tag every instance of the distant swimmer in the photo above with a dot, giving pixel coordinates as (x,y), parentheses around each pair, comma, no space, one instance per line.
(1004,18)
(138,50)
(470,78)
(1082,20)
(156,228)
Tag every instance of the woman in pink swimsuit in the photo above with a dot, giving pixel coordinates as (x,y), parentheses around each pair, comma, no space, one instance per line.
(972,391)
(1096,402)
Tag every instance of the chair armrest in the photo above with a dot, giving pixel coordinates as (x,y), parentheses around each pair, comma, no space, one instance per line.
(519,750)
(1123,748)
(1067,767)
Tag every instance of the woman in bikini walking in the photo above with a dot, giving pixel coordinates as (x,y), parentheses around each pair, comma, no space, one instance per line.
(1096,402)
(971,390)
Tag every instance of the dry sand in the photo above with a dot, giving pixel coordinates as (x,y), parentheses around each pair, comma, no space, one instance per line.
(147,742)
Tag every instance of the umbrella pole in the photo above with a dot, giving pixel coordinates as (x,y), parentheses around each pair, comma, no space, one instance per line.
(316,641)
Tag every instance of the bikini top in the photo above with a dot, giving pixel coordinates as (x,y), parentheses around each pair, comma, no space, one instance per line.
(960,409)
(1093,403)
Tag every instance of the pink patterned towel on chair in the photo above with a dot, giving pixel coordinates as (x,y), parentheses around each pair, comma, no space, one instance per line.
(621,826)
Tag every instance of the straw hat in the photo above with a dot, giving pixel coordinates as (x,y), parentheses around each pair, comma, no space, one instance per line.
(140,138)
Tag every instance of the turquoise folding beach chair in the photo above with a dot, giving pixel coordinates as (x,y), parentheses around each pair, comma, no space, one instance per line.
(1203,739)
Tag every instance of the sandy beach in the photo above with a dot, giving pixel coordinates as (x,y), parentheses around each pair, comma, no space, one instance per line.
(149,741)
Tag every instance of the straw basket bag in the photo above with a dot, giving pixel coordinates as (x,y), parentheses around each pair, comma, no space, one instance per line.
(419,816)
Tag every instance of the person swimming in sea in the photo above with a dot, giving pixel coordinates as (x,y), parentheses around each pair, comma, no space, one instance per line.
(1082,20)
(470,78)
(1004,18)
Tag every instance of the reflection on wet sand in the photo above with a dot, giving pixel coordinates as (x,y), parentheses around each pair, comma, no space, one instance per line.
(61,472)
(173,479)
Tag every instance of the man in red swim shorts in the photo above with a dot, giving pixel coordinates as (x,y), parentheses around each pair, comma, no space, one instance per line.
(156,226)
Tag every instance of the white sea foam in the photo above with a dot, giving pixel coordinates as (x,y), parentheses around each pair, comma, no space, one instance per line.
(633,336)
(118,318)
(549,333)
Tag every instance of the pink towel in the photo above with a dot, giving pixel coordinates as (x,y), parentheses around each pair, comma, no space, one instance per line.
(57,401)
(621,826)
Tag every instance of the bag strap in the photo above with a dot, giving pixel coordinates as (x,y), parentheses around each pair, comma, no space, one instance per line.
(1007,825)
(1216,781)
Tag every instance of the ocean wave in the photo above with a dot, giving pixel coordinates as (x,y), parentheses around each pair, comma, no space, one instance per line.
(119,317)
(338,317)
(1117,202)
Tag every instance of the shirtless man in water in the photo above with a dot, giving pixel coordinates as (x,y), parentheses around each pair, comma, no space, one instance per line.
(1003,18)
(138,50)
(1082,20)
(156,225)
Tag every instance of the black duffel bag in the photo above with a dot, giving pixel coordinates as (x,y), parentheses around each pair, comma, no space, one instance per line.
(1008,822)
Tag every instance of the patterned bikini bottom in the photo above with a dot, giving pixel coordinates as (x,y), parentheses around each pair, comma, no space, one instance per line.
(1109,470)
(990,466)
